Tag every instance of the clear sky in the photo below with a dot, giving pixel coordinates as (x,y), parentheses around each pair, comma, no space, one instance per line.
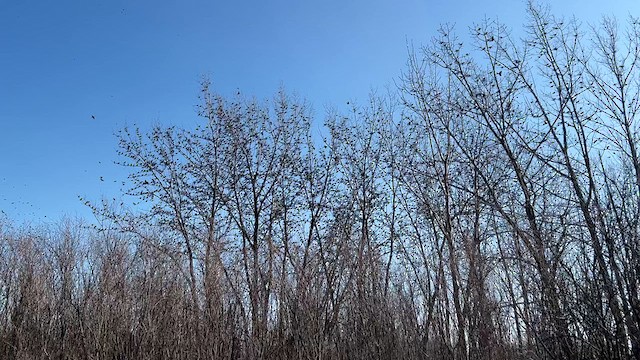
(140,62)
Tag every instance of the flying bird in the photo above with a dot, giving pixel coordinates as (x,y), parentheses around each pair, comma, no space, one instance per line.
(93,117)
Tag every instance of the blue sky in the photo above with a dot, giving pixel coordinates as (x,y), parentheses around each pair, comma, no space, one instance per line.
(140,63)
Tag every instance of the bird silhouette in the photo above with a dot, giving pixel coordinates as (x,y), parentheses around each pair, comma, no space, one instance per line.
(93,117)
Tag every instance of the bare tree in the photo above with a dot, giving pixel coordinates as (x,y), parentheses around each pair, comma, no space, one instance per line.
(487,209)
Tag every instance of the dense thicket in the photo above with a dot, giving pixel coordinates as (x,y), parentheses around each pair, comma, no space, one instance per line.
(488,210)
